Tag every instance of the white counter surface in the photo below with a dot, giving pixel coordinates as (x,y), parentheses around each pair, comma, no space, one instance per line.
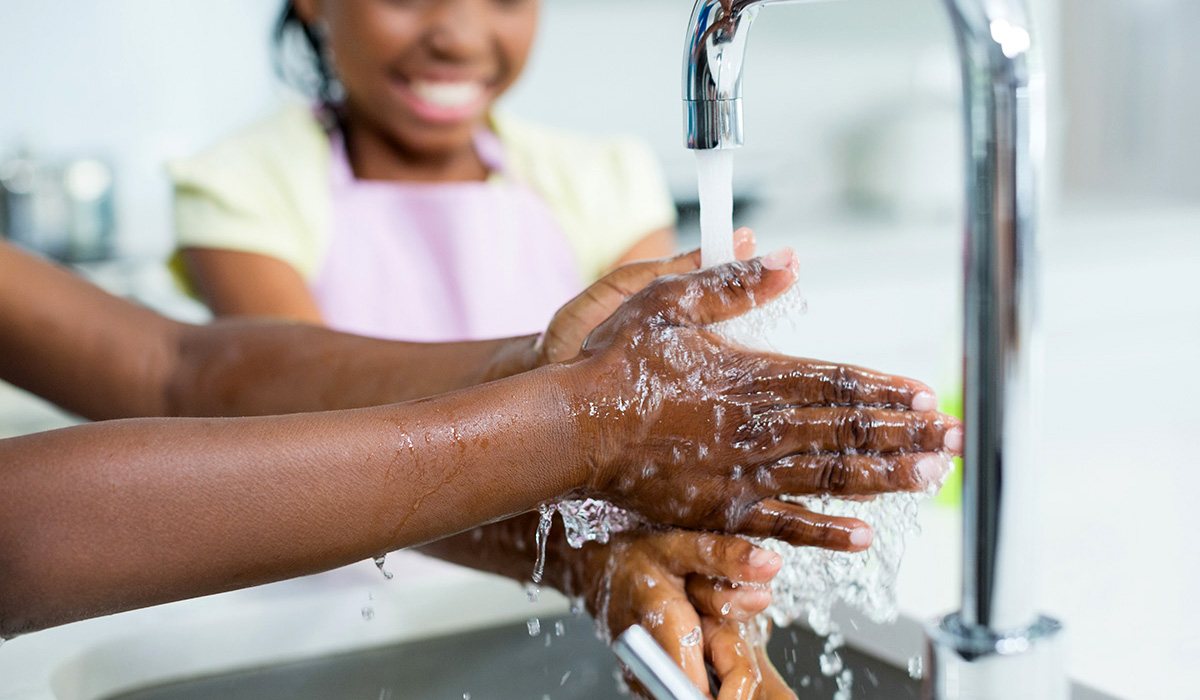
(1122,321)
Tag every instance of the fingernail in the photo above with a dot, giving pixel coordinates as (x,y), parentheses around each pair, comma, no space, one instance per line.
(925,401)
(861,537)
(761,557)
(743,236)
(783,259)
(933,469)
(954,440)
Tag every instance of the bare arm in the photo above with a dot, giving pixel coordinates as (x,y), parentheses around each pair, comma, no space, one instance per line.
(102,357)
(121,514)
(234,283)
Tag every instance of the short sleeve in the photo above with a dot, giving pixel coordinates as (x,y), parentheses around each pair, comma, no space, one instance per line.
(264,191)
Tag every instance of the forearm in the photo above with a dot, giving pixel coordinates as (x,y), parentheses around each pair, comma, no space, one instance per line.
(106,517)
(241,368)
(70,342)
(103,357)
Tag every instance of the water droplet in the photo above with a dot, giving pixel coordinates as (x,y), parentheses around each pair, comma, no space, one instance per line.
(726,608)
(692,638)
(564,679)
(559,628)
(916,667)
(368,613)
(532,592)
(534,626)
(844,683)
(545,522)
(466,696)
(379,562)
(576,606)
(805,681)
(831,664)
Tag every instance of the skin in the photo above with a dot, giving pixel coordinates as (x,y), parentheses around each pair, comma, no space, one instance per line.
(379,47)
(236,483)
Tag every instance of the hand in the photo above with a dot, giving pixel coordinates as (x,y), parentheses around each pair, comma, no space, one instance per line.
(688,429)
(577,318)
(677,583)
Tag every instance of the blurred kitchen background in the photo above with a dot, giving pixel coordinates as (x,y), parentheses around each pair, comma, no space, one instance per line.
(852,157)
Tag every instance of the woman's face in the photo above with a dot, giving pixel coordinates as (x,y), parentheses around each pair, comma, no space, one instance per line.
(424,73)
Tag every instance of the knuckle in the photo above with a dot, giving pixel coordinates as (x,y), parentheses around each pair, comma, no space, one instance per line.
(840,387)
(835,475)
(855,429)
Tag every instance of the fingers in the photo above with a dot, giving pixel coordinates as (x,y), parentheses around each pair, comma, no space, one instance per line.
(732,658)
(801,527)
(727,600)
(729,290)
(718,556)
(744,243)
(838,474)
(679,635)
(575,320)
(845,428)
(813,383)
(773,687)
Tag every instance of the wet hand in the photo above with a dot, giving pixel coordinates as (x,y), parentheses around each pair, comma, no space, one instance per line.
(691,430)
(676,583)
(577,318)
(736,651)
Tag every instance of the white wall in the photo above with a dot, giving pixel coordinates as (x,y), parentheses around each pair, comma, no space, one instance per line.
(135,81)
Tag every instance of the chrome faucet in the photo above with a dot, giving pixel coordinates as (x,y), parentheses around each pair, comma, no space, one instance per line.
(998,646)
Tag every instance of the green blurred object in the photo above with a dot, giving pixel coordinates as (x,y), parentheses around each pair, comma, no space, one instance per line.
(951,493)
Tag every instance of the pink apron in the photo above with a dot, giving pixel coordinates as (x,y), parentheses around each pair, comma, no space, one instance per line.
(442,261)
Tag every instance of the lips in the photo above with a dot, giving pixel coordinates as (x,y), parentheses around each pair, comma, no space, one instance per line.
(445,101)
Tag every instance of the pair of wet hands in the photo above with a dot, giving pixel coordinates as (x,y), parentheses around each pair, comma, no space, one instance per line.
(691,431)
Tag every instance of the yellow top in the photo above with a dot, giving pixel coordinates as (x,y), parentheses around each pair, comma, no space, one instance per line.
(267,191)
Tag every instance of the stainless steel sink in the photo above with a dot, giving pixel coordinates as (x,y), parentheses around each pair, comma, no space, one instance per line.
(505,662)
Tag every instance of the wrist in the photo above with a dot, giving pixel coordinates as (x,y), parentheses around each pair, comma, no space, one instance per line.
(513,356)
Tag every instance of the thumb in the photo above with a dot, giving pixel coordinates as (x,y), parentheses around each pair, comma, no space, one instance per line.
(727,291)
(573,322)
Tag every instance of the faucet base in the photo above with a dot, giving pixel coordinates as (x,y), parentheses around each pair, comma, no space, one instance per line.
(974,663)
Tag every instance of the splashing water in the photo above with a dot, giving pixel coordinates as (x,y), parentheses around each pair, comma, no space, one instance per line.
(534,626)
(844,682)
(692,638)
(916,669)
(545,522)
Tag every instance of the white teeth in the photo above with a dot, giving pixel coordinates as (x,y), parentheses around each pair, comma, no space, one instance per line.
(448,95)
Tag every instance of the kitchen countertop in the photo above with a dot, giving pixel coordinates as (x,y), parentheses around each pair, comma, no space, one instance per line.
(1121,315)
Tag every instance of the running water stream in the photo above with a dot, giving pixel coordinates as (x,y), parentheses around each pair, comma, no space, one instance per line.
(812,580)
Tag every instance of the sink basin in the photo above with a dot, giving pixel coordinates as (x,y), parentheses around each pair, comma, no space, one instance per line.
(564,661)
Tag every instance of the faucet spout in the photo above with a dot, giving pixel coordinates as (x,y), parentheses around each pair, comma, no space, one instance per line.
(715,51)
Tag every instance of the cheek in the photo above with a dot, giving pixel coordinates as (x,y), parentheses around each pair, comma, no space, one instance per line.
(515,41)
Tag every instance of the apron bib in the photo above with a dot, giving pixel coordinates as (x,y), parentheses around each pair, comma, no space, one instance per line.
(442,262)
